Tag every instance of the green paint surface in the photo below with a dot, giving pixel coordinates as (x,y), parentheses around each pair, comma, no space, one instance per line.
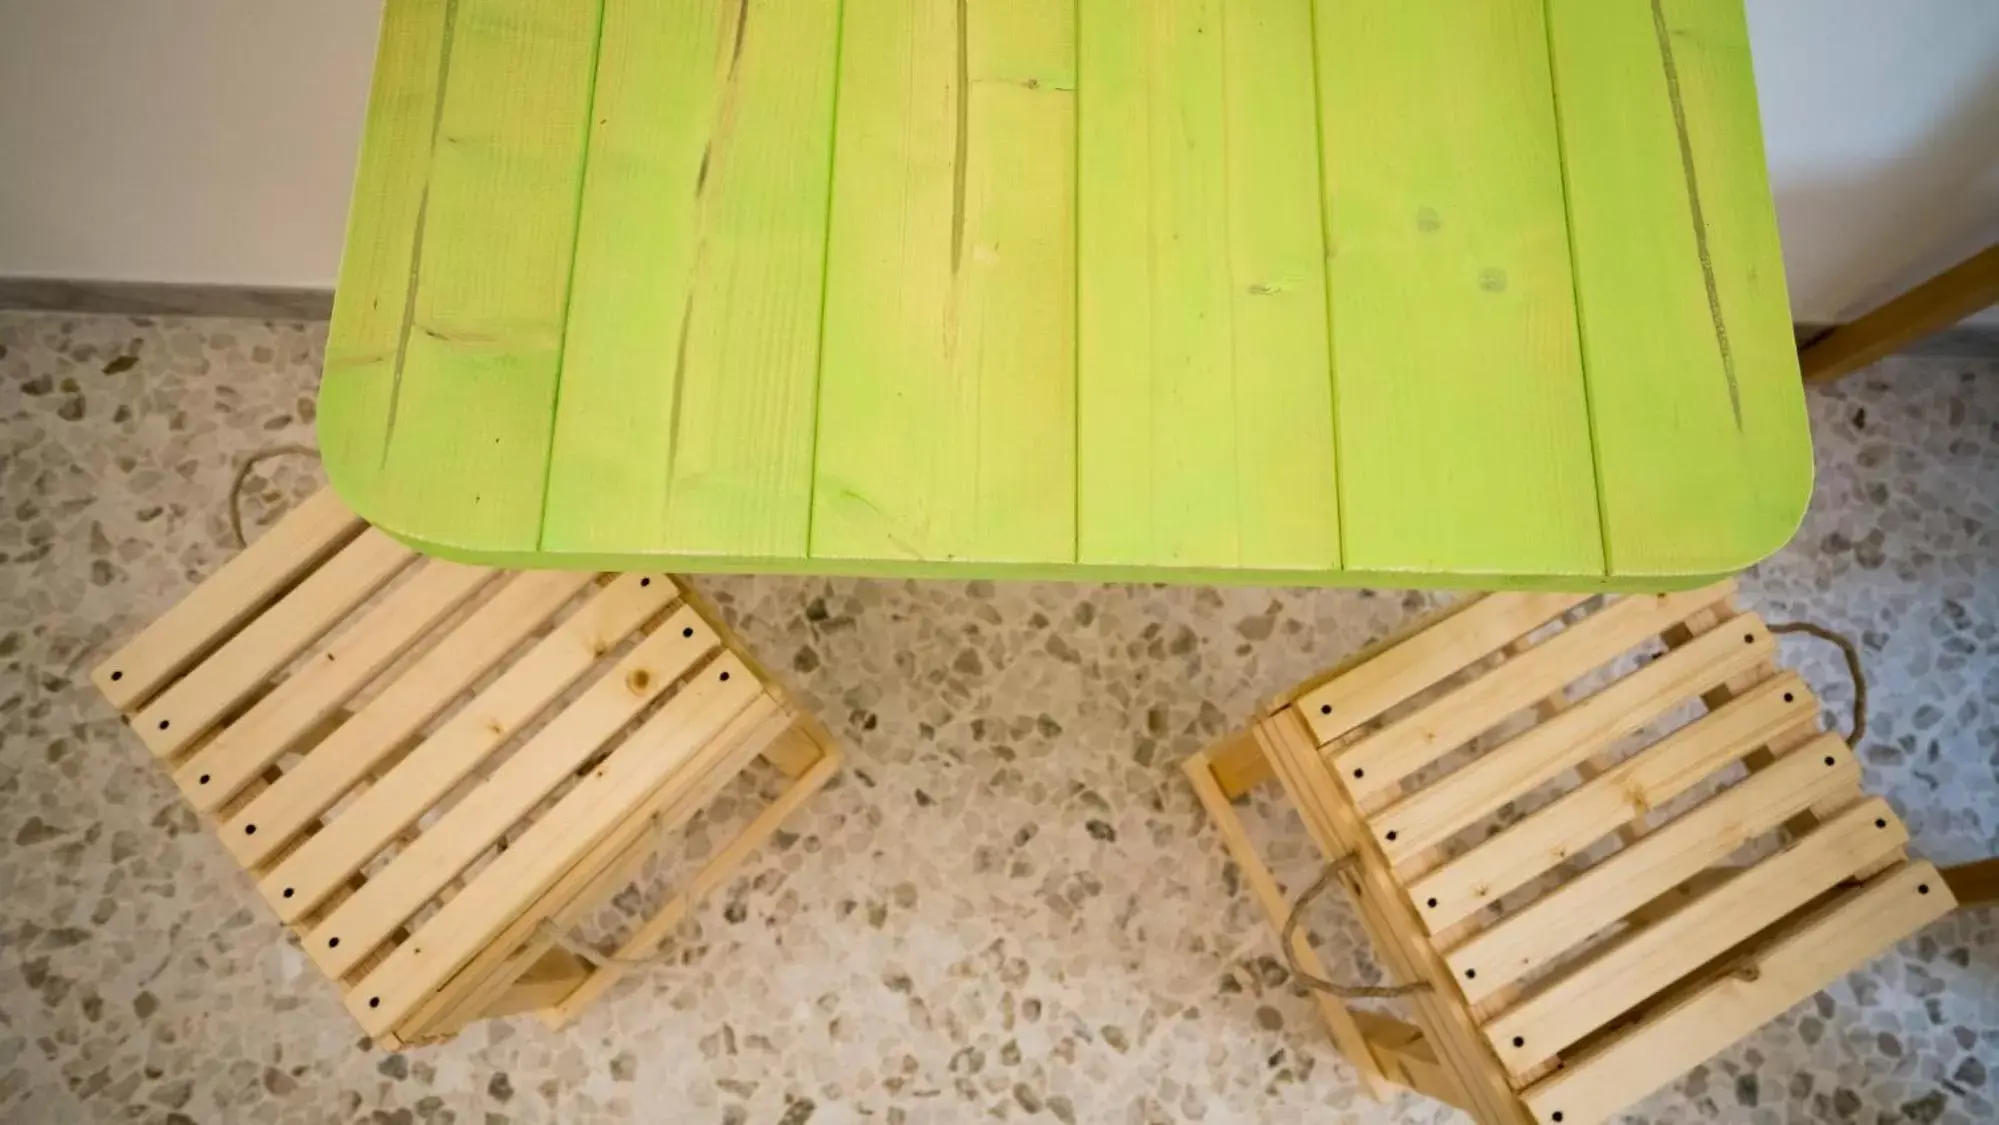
(1408,292)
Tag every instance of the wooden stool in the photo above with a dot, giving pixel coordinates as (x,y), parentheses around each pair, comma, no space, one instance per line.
(467,764)
(1582,955)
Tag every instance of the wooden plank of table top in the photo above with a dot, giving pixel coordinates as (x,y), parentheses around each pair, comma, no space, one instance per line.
(320,865)
(1373,768)
(1702,450)
(593,809)
(467,425)
(1797,961)
(1557,921)
(691,363)
(1641,783)
(232,595)
(365,342)
(1590,726)
(1205,425)
(1464,440)
(248,660)
(352,930)
(947,384)
(328,679)
(1615,980)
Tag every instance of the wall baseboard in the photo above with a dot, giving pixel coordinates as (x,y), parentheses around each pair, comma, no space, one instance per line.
(164,299)
(1965,341)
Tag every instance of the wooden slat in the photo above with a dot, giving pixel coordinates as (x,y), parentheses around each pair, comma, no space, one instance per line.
(1373,768)
(1428,656)
(554,843)
(1341,1020)
(611,863)
(1799,960)
(226,599)
(385,726)
(947,388)
(1702,450)
(448,846)
(1394,929)
(520,693)
(1206,415)
(648,938)
(1463,432)
(281,720)
(1633,788)
(1588,727)
(1646,961)
(691,360)
(1539,933)
(465,431)
(194,704)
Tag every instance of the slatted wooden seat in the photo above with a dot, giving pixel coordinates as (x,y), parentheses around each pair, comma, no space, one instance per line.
(432,770)
(1604,867)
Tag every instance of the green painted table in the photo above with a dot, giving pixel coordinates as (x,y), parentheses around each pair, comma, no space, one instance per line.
(1468,292)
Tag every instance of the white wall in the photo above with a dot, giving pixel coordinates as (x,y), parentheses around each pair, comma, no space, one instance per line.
(214,140)
(180,140)
(1881,124)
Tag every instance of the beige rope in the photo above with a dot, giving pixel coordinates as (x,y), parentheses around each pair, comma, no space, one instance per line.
(1851,651)
(243,474)
(1320,984)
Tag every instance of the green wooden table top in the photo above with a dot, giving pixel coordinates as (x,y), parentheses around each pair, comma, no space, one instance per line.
(1467,292)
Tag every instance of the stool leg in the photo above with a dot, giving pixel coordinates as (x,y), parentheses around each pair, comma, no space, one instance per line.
(1346,1031)
(1974,884)
(656,929)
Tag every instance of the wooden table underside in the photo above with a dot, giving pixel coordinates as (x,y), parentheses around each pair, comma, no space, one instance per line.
(1475,292)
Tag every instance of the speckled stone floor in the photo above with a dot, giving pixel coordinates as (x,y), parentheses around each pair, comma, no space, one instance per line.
(1010,908)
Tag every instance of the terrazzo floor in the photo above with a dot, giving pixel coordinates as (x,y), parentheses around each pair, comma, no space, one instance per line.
(1009,908)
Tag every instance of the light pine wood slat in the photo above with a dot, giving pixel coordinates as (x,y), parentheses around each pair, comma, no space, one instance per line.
(247,661)
(221,604)
(1426,657)
(378,815)
(1647,961)
(1585,728)
(385,725)
(450,844)
(1662,771)
(332,676)
(1796,962)
(1540,932)
(554,843)
(1373,768)
(613,861)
